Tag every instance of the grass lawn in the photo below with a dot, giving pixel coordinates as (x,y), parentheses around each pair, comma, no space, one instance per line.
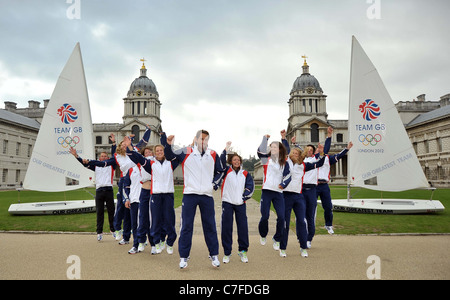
(352,223)
(75,222)
(344,223)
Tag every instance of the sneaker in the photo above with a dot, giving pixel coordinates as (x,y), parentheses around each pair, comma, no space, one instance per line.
(283,253)
(99,237)
(153,250)
(215,261)
(308,244)
(183,263)
(162,245)
(226,259)
(329,229)
(133,250)
(243,256)
(169,249)
(276,245)
(123,242)
(141,247)
(158,249)
(303,252)
(263,240)
(118,235)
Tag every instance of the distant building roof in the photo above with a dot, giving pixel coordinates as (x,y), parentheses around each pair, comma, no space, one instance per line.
(431,115)
(18,119)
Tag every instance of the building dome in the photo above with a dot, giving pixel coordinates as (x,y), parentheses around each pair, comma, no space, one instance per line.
(143,83)
(306,81)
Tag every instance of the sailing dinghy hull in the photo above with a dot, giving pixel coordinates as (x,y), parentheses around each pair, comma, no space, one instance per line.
(388,206)
(53,208)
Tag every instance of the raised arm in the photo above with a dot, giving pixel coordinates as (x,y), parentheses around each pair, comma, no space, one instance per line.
(84,162)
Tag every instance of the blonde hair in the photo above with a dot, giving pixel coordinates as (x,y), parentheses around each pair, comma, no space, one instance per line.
(301,156)
(121,151)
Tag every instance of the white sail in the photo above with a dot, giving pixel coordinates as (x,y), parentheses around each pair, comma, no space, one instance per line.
(382,157)
(66,123)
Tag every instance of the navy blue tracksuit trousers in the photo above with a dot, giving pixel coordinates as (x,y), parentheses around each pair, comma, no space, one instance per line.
(295,202)
(240,212)
(268,197)
(163,218)
(145,222)
(323,191)
(189,207)
(309,192)
(130,223)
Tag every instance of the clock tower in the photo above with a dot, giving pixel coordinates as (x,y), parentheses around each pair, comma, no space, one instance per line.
(307,109)
(142,107)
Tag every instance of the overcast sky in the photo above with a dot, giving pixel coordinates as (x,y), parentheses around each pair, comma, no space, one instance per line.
(224,66)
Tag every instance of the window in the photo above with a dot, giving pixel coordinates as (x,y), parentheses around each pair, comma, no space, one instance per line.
(439,144)
(139,107)
(98,139)
(135,130)
(339,137)
(5,147)
(29,150)
(5,175)
(314,133)
(17,175)
(17,148)
(310,106)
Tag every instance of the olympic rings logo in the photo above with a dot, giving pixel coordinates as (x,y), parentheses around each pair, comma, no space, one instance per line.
(68,141)
(369,139)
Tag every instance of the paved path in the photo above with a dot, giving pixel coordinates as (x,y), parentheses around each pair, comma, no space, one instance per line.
(44,256)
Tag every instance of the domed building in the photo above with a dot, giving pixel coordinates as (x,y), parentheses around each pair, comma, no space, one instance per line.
(307,109)
(142,107)
(308,119)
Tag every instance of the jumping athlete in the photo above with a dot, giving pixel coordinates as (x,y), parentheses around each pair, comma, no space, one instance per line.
(202,171)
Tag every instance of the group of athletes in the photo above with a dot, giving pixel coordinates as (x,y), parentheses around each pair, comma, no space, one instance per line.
(293,180)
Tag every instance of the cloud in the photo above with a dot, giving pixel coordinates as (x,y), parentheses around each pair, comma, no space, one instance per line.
(234,59)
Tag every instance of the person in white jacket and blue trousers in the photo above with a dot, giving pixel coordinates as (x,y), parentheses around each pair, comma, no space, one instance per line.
(202,172)
(237,187)
(276,177)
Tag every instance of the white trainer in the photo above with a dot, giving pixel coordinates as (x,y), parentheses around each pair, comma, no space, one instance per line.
(329,229)
(215,261)
(158,249)
(243,255)
(263,240)
(303,252)
(276,245)
(308,244)
(141,247)
(226,259)
(169,249)
(183,263)
(283,253)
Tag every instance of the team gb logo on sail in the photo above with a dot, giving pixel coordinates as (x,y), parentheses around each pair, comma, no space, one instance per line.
(64,135)
(370,110)
(67,113)
(371,132)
